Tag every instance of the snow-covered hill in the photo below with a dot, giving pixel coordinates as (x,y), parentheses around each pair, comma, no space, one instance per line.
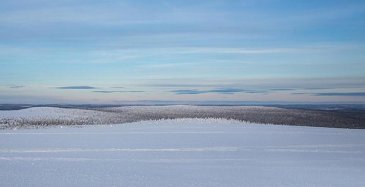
(47,116)
(183,152)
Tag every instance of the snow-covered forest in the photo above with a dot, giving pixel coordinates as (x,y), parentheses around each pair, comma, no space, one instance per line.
(46,116)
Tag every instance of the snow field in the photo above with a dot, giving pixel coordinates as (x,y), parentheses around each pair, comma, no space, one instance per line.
(183,152)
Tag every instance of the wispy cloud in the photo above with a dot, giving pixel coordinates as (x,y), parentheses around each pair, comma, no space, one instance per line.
(227,90)
(184,92)
(326,94)
(106,91)
(117,87)
(76,87)
(356,94)
(282,89)
(119,54)
(300,93)
(217,91)
(16,86)
(269,84)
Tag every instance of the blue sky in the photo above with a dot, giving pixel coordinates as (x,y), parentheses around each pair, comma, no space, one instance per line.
(78,51)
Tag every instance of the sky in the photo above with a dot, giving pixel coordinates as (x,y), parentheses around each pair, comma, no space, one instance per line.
(115,51)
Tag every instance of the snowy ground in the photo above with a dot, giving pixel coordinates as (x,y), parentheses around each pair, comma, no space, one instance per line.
(185,152)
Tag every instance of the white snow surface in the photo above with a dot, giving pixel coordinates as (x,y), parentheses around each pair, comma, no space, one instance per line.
(183,152)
